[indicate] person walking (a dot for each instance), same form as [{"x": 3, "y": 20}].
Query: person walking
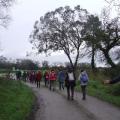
[
  {"x": 70, "y": 83},
  {"x": 61, "y": 79},
  {"x": 38, "y": 78},
  {"x": 83, "y": 82},
  {"x": 52, "y": 79},
  {"x": 24, "y": 76},
  {"x": 46, "y": 78},
  {"x": 31, "y": 76},
  {"x": 18, "y": 75}
]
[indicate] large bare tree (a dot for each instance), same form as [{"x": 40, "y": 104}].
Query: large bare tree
[{"x": 60, "y": 30}]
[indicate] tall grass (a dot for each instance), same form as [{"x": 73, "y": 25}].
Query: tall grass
[
  {"x": 16, "y": 100},
  {"x": 109, "y": 93}
]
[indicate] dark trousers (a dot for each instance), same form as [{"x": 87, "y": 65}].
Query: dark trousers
[
  {"x": 46, "y": 82},
  {"x": 70, "y": 92},
  {"x": 83, "y": 88},
  {"x": 52, "y": 84},
  {"x": 38, "y": 84},
  {"x": 24, "y": 79},
  {"x": 61, "y": 85}
]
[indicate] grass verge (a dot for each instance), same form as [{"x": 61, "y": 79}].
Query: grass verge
[
  {"x": 108, "y": 93},
  {"x": 16, "y": 100}
]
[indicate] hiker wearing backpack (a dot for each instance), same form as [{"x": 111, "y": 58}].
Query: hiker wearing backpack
[
  {"x": 61, "y": 79},
  {"x": 83, "y": 82},
  {"x": 70, "y": 83},
  {"x": 52, "y": 79},
  {"x": 38, "y": 78},
  {"x": 46, "y": 78}
]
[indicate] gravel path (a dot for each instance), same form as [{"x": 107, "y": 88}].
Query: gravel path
[{"x": 55, "y": 106}]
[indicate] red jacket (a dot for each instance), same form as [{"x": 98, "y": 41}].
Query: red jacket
[
  {"x": 46, "y": 75},
  {"x": 52, "y": 75},
  {"x": 38, "y": 76}
]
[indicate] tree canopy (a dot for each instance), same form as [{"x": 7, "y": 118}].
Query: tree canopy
[
  {"x": 66, "y": 29},
  {"x": 4, "y": 15},
  {"x": 60, "y": 30}
]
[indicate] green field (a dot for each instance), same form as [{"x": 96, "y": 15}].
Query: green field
[{"x": 16, "y": 100}]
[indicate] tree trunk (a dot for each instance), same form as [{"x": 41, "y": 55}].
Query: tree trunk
[
  {"x": 109, "y": 60},
  {"x": 93, "y": 58},
  {"x": 72, "y": 65}
]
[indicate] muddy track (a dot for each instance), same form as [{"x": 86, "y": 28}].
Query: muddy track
[{"x": 55, "y": 106}]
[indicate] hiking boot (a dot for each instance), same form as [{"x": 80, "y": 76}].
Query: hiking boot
[
  {"x": 72, "y": 98},
  {"x": 83, "y": 98},
  {"x": 68, "y": 97},
  {"x": 53, "y": 89}
]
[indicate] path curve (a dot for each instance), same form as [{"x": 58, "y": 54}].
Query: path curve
[{"x": 55, "y": 106}]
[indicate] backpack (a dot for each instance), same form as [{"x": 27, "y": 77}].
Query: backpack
[
  {"x": 61, "y": 76},
  {"x": 46, "y": 75},
  {"x": 84, "y": 78},
  {"x": 52, "y": 76},
  {"x": 70, "y": 76}
]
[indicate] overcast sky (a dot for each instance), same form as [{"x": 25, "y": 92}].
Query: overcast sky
[{"x": 14, "y": 40}]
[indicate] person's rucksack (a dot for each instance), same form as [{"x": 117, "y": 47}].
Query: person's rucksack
[
  {"x": 53, "y": 76},
  {"x": 84, "y": 78}
]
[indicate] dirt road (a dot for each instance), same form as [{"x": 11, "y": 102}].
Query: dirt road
[{"x": 55, "y": 106}]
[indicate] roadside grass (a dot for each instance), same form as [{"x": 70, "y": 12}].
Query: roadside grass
[
  {"x": 96, "y": 88},
  {"x": 16, "y": 100}
]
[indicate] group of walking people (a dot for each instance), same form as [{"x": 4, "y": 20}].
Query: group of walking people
[
  {"x": 64, "y": 78},
  {"x": 70, "y": 83}
]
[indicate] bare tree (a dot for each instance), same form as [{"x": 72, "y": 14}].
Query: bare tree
[
  {"x": 60, "y": 30},
  {"x": 113, "y": 5},
  {"x": 102, "y": 36},
  {"x": 110, "y": 38},
  {"x": 4, "y": 16}
]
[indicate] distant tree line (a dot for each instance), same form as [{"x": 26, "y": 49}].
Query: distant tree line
[{"x": 24, "y": 64}]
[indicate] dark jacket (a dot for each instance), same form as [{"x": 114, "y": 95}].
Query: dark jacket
[
  {"x": 68, "y": 81},
  {"x": 61, "y": 76}
]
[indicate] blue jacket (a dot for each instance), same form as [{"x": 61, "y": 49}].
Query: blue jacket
[{"x": 61, "y": 76}]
